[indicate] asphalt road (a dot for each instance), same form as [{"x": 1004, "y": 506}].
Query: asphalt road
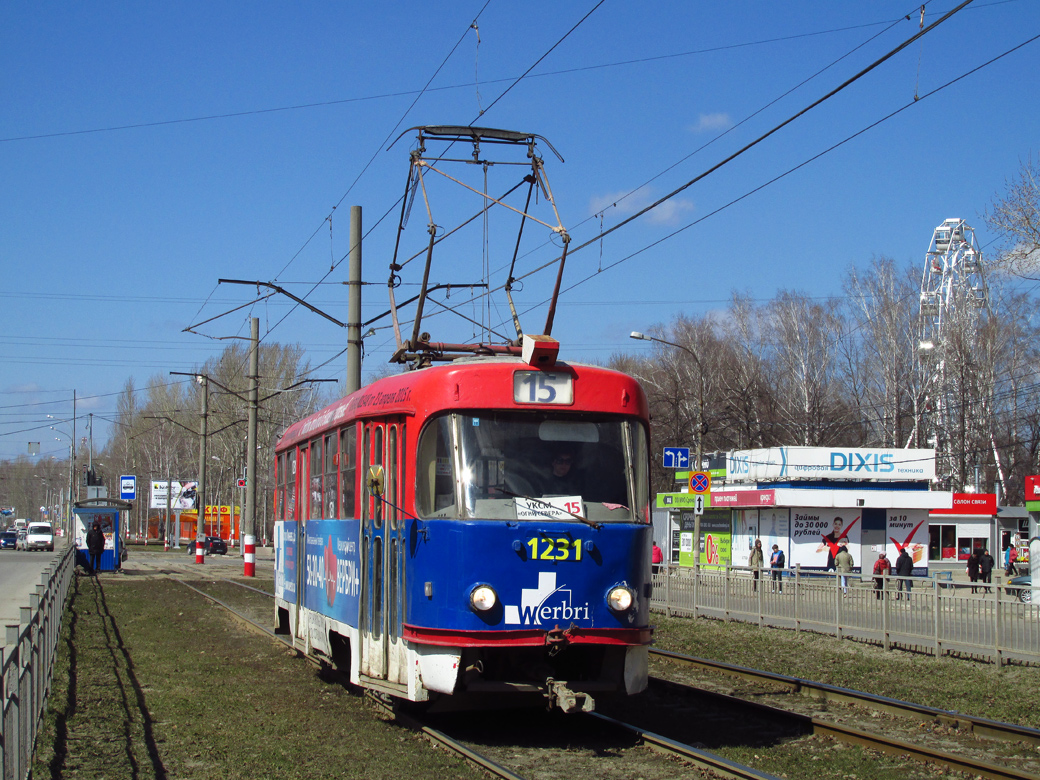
[{"x": 19, "y": 575}]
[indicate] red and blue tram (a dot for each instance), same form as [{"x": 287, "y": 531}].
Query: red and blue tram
[{"x": 478, "y": 529}]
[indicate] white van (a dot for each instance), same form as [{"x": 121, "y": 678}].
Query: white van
[{"x": 39, "y": 536}]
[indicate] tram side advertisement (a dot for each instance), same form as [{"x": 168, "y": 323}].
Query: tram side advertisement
[{"x": 331, "y": 567}]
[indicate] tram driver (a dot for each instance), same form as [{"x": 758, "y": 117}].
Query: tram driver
[{"x": 563, "y": 477}]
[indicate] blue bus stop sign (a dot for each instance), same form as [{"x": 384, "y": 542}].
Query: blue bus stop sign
[{"x": 128, "y": 488}]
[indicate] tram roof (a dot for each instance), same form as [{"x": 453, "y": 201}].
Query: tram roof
[{"x": 472, "y": 383}]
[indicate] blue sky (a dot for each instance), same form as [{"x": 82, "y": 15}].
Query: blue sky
[{"x": 147, "y": 150}]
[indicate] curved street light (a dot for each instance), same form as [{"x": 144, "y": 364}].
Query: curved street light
[{"x": 698, "y": 433}]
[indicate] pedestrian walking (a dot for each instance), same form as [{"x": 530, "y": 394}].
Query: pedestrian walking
[
  {"x": 986, "y": 564},
  {"x": 776, "y": 564},
  {"x": 1010, "y": 561},
  {"x": 904, "y": 568},
  {"x": 882, "y": 568},
  {"x": 973, "y": 569},
  {"x": 843, "y": 563},
  {"x": 656, "y": 558},
  {"x": 95, "y": 546},
  {"x": 756, "y": 560}
]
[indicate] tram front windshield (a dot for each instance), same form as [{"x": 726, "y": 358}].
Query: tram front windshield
[{"x": 510, "y": 466}]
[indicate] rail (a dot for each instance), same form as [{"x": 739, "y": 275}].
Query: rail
[
  {"x": 985, "y": 621},
  {"x": 28, "y": 665}
]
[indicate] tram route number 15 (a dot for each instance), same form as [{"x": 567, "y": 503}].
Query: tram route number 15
[
  {"x": 546, "y": 548},
  {"x": 542, "y": 387}
]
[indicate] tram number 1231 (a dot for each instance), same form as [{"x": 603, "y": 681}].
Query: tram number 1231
[{"x": 546, "y": 548}]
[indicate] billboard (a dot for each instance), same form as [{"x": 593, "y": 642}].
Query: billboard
[
  {"x": 716, "y": 539},
  {"x": 817, "y": 535},
  {"x": 908, "y": 528},
  {"x": 814, "y": 463},
  {"x": 183, "y": 495}
]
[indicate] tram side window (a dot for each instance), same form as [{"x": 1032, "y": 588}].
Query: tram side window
[
  {"x": 331, "y": 454},
  {"x": 348, "y": 470},
  {"x": 290, "y": 485},
  {"x": 279, "y": 509},
  {"x": 314, "y": 474},
  {"x": 435, "y": 488}
]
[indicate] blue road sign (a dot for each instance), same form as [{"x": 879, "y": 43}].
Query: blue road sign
[
  {"x": 128, "y": 487},
  {"x": 676, "y": 457}
]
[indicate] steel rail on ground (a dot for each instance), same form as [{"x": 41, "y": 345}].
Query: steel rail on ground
[
  {"x": 981, "y": 727},
  {"x": 438, "y": 737},
  {"x": 701, "y": 758}
]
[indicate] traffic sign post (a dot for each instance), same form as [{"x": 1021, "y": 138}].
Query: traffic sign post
[
  {"x": 700, "y": 482},
  {"x": 676, "y": 457},
  {"x": 128, "y": 487}
]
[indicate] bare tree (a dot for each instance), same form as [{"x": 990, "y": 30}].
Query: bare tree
[
  {"x": 802, "y": 335},
  {"x": 1015, "y": 216}
]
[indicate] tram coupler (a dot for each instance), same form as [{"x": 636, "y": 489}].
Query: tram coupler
[{"x": 559, "y": 695}]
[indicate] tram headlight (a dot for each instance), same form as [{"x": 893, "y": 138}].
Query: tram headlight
[
  {"x": 482, "y": 598},
  {"x": 620, "y": 599}
]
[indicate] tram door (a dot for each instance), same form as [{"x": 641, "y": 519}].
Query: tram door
[
  {"x": 297, "y": 511},
  {"x": 382, "y": 549}
]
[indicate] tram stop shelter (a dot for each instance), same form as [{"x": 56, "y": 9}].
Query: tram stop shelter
[{"x": 111, "y": 513}]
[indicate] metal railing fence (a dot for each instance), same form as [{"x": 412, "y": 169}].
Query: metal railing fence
[
  {"x": 934, "y": 615},
  {"x": 28, "y": 665}
]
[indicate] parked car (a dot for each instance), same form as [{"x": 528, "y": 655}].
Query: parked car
[
  {"x": 214, "y": 545},
  {"x": 39, "y": 536},
  {"x": 8, "y": 540},
  {"x": 1021, "y": 588}
]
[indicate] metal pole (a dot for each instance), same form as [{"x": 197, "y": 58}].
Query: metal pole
[
  {"x": 200, "y": 538},
  {"x": 166, "y": 532},
  {"x": 249, "y": 522},
  {"x": 354, "y": 304}
]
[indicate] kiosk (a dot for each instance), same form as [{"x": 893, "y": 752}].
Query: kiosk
[{"x": 109, "y": 512}]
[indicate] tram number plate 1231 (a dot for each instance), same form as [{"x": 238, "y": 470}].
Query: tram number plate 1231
[
  {"x": 543, "y": 387},
  {"x": 550, "y": 548}
]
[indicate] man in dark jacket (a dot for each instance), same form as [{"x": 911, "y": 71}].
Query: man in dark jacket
[
  {"x": 904, "y": 568},
  {"x": 95, "y": 546},
  {"x": 986, "y": 564}
]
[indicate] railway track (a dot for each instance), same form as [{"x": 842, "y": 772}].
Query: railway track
[
  {"x": 248, "y": 604},
  {"x": 981, "y": 727},
  {"x": 582, "y": 753},
  {"x": 978, "y": 746}
]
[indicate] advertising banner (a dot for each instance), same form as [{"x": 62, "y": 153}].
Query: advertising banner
[
  {"x": 814, "y": 463},
  {"x": 817, "y": 534},
  {"x": 183, "y": 495},
  {"x": 332, "y": 570},
  {"x": 716, "y": 537},
  {"x": 908, "y": 528}
]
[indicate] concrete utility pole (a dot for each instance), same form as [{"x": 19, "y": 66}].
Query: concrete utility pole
[
  {"x": 200, "y": 537},
  {"x": 249, "y": 522},
  {"x": 354, "y": 304}
]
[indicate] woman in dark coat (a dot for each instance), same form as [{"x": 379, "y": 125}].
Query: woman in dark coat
[
  {"x": 973, "y": 569},
  {"x": 95, "y": 546}
]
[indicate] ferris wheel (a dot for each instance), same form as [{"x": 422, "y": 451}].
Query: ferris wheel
[{"x": 953, "y": 293}]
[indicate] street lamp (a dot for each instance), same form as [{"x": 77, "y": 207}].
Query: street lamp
[
  {"x": 698, "y": 432},
  {"x": 72, "y": 468}
]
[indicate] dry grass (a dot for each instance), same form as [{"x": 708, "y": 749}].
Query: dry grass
[{"x": 153, "y": 683}]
